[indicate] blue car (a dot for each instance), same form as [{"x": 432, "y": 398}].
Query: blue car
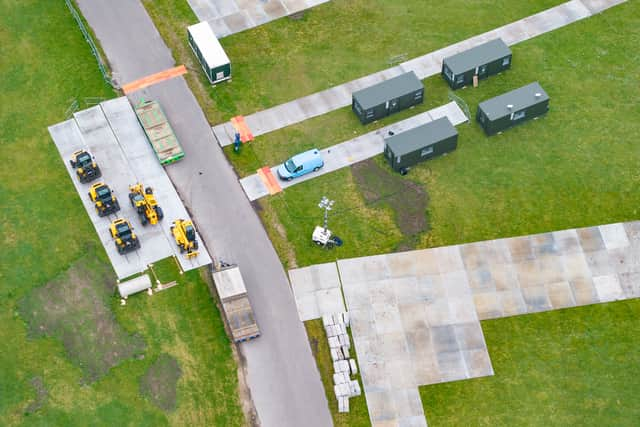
[{"x": 300, "y": 164}]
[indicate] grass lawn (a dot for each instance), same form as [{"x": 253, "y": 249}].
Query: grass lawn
[
  {"x": 563, "y": 368},
  {"x": 575, "y": 167},
  {"x": 46, "y": 235},
  {"x": 335, "y": 42}
]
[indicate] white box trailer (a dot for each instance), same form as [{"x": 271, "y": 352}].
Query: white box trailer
[
  {"x": 235, "y": 303},
  {"x": 209, "y": 51}
]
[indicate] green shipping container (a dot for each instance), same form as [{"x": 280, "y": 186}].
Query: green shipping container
[
  {"x": 209, "y": 51},
  {"x": 159, "y": 132}
]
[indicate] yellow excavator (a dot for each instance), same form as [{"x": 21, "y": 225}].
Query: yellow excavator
[
  {"x": 103, "y": 199},
  {"x": 184, "y": 234},
  {"x": 143, "y": 200},
  {"x": 86, "y": 168},
  {"x": 124, "y": 237}
]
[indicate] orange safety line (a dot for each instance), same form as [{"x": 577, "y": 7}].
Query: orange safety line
[
  {"x": 153, "y": 79},
  {"x": 241, "y": 127},
  {"x": 269, "y": 180}
]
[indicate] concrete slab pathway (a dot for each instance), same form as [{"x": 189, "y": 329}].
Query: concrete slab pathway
[
  {"x": 232, "y": 16},
  {"x": 101, "y": 130},
  {"x": 319, "y": 103},
  {"x": 354, "y": 150},
  {"x": 414, "y": 315},
  {"x": 317, "y": 291}
]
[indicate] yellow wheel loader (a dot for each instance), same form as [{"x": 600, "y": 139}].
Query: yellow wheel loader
[
  {"x": 143, "y": 200},
  {"x": 184, "y": 234},
  {"x": 124, "y": 237},
  {"x": 104, "y": 200},
  {"x": 86, "y": 168}
]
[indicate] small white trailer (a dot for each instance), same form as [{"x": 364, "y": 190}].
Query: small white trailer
[{"x": 235, "y": 303}]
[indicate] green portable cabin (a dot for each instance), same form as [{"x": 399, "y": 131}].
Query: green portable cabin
[
  {"x": 483, "y": 61},
  {"x": 387, "y": 97},
  {"x": 209, "y": 51},
  {"x": 424, "y": 142},
  {"x": 512, "y": 108}
]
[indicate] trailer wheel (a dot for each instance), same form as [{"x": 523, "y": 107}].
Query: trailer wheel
[{"x": 404, "y": 171}]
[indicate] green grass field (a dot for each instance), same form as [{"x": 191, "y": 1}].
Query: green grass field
[
  {"x": 334, "y": 43},
  {"x": 574, "y": 167},
  {"x": 562, "y": 368},
  {"x": 53, "y": 375}
]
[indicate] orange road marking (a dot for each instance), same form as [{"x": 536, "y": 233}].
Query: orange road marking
[
  {"x": 241, "y": 127},
  {"x": 269, "y": 180},
  {"x": 153, "y": 79}
]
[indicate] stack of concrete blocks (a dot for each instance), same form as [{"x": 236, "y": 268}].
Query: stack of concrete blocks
[{"x": 343, "y": 366}]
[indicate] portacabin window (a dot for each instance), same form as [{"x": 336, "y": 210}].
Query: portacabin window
[
  {"x": 505, "y": 61},
  {"x": 519, "y": 115},
  {"x": 426, "y": 151}
]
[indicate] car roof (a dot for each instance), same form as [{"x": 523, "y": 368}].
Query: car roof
[{"x": 306, "y": 156}]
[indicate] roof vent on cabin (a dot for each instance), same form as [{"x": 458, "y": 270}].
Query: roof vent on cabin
[
  {"x": 538, "y": 94},
  {"x": 510, "y": 106}
]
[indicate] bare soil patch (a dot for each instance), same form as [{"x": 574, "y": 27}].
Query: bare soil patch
[
  {"x": 407, "y": 199},
  {"x": 42, "y": 394},
  {"x": 160, "y": 382},
  {"x": 74, "y": 308}
]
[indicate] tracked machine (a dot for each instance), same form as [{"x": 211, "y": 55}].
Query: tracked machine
[
  {"x": 86, "y": 168},
  {"x": 103, "y": 199},
  {"x": 145, "y": 203},
  {"x": 125, "y": 239},
  {"x": 184, "y": 233}
]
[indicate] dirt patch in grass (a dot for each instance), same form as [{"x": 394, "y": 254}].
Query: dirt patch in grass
[
  {"x": 407, "y": 199},
  {"x": 160, "y": 381},
  {"x": 42, "y": 395},
  {"x": 74, "y": 308}
]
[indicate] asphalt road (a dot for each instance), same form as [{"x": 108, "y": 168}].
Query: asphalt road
[{"x": 281, "y": 373}]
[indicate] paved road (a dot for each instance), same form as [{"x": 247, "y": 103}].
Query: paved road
[{"x": 281, "y": 373}]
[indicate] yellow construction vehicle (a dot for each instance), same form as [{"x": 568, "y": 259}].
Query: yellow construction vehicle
[
  {"x": 103, "y": 199},
  {"x": 86, "y": 169},
  {"x": 143, "y": 200},
  {"x": 125, "y": 238},
  {"x": 184, "y": 234}
]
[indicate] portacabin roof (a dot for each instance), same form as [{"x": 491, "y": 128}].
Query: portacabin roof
[
  {"x": 208, "y": 43},
  {"x": 389, "y": 89},
  {"x": 518, "y": 99},
  {"x": 229, "y": 282},
  {"x": 479, "y": 55},
  {"x": 421, "y": 136}
]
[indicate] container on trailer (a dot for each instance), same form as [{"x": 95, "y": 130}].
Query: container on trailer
[
  {"x": 512, "y": 108},
  {"x": 159, "y": 132},
  {"x": 406, "y": 149},
  {"x": 387, "y": 97},
  {"x": 483, "y": 61},
  {"x": 235, "y": 303}
]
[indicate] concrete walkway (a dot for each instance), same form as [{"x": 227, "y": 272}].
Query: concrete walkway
[
  {"x": 414, "y": 315},
  {"x": 232, "y": 16},
  {"x": 281, "y": 373},
  {"x": 424, "y": 66},
  {"x": 354, "y": 150},
  {"x": 111, "y": 133}
]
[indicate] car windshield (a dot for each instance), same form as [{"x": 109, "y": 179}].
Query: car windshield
[
  {"x": 191, "y": 233},
  {"x": 290, "y": 166},
  {"x": 103, "y": 192},
  {"x": 84, "y": 158},
  {"x": 123, "y": 230}
]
